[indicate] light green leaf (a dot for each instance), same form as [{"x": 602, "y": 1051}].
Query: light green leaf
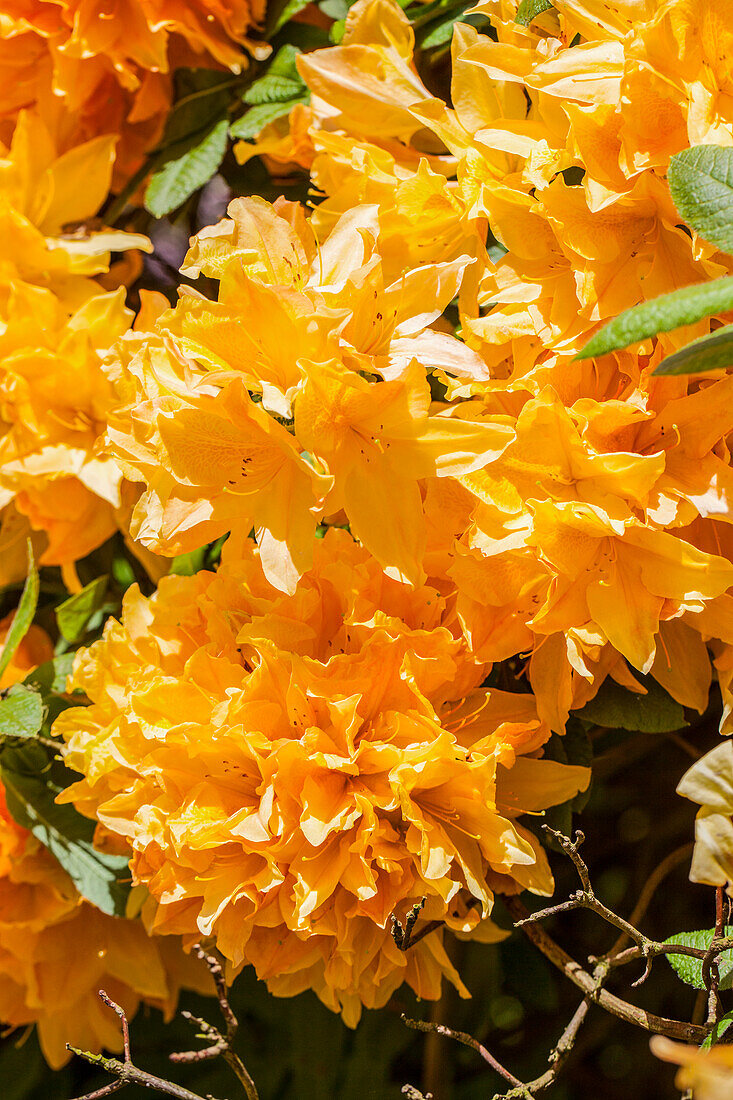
[
  {"x": 73, "y": 615},
  {"x": 24, "y": 615},
  {"x": 616, "y": 707},
  {"x": 21, "y": 713},
  {"x": 711, "y": 352},
  {"x": 32, "y": 783},
  {"x": 701, "y": 182},
  {"x": 663, "y": 314},
  {"x": 529, "y": 10},
  {"x": 256, "y": 118},
  {"x": 192, "y": 163},
  {"x": 690, "y": 970}
]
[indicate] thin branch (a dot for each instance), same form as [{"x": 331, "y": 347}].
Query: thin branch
[
  {"x": 220, "y": 1045},
  {"x": 710, "y": 969},
  {"x": 639, "y": 1017},
  {"x": 557, "y": 1057},
  {"x": 126, "y": 1072},
  {"x": 466, "y": 1040}
]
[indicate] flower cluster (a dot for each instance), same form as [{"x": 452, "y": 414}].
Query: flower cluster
[
  {"x": 95, "y": 69},
  {"x": 57, "y": 950},
  {"x": 599, "y": 538},
  {"x": 293, "y": 771},
  {"x": 56, "y": 323},
  {"x": 381, "y": 406}
]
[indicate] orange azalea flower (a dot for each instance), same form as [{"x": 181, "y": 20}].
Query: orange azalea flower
[
  {"x": 57, "y": 951},
  {"x": 95, "y": 71},
  {"x": 343, "y": 419},
  {"x": 292, "y": 770}
]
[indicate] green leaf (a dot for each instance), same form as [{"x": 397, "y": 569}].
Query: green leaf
[
  {"x": 663, "y": 314},
  {"x": 192, "y": 163},
  {"x": 73, "y": 615},
  {"x": 711, "y": 352},
  {"x": 701, "y": 182},
  {"x": 32, "y": 783},
  {"x": 719, "y": 1030},
  {"x": 690, "y": 970},
  {"x": 618, "y": 708},
  {"x": 281, "y": 82},
  {"x": 185, "y": 565},
  {"x": 335, "y": 9},
  {"x": 280, "y": 12},
  {"x": 440, "y": 30},
  {"x": 50, "y": 677},
  {"x": 202, "y": 99},
  {"x": 21, "y": 713},
  {"x": 529, "y": 10},
  {"x": 256, "y": 118},
  {"x": 24, "y": 615}
]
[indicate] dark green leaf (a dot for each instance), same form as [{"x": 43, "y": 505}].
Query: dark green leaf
[
  {"x": 281, "y": 82},
  {"x": 24, "y": 615},
  {"x": 32, "y": 783},
  {"x": 618, "y": 708},
  {"x": 21, "y": 713},
  {"x": 690, "y": 970},
  {"x": 701, "y": 182},
  {"x": 711, "y": 352},
  {"x": 439, "y": 31},
  {"x": 719, "y": 1030},
  {"x": 256, "y": 118},
  {"x": 670, "y": 311},
  {"x": 202, "y": 99},
  {"x": 530, "y": 9},
  {"x": 192, "y": 163},
  {"x": 73, "y": 615},
  {"x": 279, "y": 12},
  {"x": 50, "y": 678}
]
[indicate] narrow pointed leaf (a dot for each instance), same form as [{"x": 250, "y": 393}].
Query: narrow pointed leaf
[
  {"x": 711, "y": 352},
  {"x": 24, "y": 614},
  {"x": 663, "y": 314}
]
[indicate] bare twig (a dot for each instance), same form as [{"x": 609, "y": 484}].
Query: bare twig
[
  {"x": 126, "y": 1072},
  {"x": 710, "y": 969},
  {"x": 557, "y": 1058},
  {"x": 467, "y": 1041},
  {"x": 220, "y": 1045},
  {"x": 674, "y": 1029}
]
